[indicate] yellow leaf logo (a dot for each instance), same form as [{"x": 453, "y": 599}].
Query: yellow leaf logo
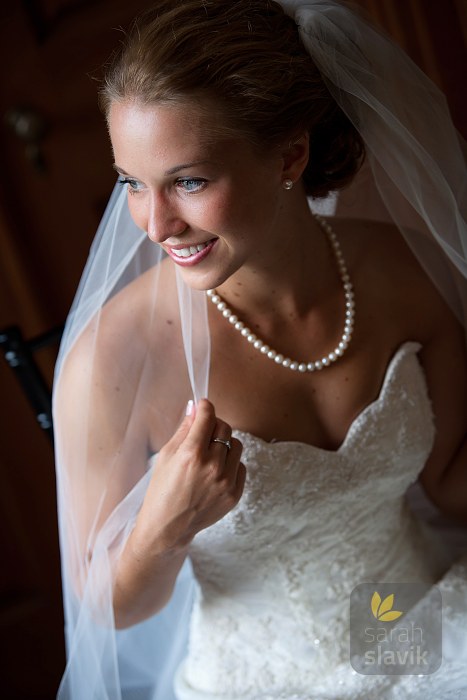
[{"x": 382, "y": 609}]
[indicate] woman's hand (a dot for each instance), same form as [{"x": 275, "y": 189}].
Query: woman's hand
[{"x": 195, "y": 483}]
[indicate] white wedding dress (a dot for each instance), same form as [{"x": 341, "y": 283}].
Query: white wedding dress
[{"x": 271, "y": 615}]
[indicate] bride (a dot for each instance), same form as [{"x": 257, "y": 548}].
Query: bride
[{"x": 283, "y": 261}]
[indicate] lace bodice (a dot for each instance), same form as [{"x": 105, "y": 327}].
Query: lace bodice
[{"x": 275, "y": 574}]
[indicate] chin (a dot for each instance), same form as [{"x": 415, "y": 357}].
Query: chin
[{"x": 204, "y": 281}]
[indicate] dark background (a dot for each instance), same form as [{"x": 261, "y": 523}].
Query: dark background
[{"x": 53, "y": 188}]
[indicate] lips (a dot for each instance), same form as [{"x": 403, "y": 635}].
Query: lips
[
  {"x": 190, "y": 250},
  {"x": 191, "y": 254}
]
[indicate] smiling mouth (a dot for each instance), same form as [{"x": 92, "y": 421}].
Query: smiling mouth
[
  {"x": 190, "y": 250},
  {"x": 191, "y": 254}
]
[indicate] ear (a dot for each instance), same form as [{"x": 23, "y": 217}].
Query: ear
[{"x": 295, "y": 156}]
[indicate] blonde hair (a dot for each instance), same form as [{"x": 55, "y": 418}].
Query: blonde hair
[{"x": 248, "y": 58}]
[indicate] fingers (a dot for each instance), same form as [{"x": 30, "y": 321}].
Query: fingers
[
  {"x": 198, "y": 420},
  {"x": 206, "y": 475},
  {"x": 203, "y": 425},
  {"x": 222, "y": 431},
  {"x": 182, "y": 431},
  {"x": 233, "y": 455},
  {"x": 233, "y": 463},
  {"x": 199, "y": 435},
  {"x": 234, "y": 472},
  {"x": 240, "y": 483},
  {"x": 228, "y": 471}
]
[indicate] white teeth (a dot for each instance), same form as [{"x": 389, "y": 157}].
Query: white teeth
[
  {"x": 186, "y": 252},
  {"x": 182, "y": 252}
]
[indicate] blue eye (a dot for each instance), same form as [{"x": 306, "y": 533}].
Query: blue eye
[
  {"x": 191, "y": 184},
  {"x": 133, "y": 185}
]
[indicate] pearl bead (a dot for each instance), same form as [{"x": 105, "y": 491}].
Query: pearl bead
[{"x": 349, "y": 322}]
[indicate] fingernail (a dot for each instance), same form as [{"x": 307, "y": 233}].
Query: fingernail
[{"x": 189, "y": 408}]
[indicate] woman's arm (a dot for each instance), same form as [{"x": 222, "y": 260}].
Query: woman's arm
[
  {"x": 444, "y": 358},
  {"x": 115, "y": 404}
]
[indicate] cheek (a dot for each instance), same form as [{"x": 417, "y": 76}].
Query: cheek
[
  {"x": 138, "y": 211},
  {"x": 217, "y": 213}
]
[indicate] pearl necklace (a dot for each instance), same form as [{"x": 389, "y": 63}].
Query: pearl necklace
[{"x": 295, "y": 365}]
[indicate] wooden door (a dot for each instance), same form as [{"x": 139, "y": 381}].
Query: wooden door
[{"x": 55, "y": 178}]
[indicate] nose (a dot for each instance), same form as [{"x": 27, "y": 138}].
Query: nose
[{"x": 163, "y": 218}]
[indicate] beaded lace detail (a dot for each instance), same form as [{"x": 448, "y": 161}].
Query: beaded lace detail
[{"x": 275, "y": 574}]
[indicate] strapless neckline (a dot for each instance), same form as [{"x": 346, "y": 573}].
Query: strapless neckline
[
  {"x": 277, "y": 571},
  {"x": 407, "y": 349}
]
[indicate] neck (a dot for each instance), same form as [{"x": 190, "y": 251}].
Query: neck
[
  {"x": 252, "y": 331},
  {"x": 284, "y": 279}
]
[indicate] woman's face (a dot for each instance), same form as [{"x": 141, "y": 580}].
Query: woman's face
[{"x": 210, "y": 202}]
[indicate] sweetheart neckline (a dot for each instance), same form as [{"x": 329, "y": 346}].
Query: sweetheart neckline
[{"x": 405, "y": 347}]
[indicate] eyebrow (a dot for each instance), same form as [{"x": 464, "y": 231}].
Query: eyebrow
[{"x": 171, "y": 171}]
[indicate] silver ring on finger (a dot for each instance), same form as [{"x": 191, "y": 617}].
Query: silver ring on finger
[{"x": 227, "y": 443}]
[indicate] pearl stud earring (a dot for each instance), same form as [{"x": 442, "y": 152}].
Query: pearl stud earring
[{"x": 287, "y": 184}]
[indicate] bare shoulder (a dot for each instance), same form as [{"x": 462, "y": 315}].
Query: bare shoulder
[
  {"x": 124, "y": 326},
  {"x": 106, "y": 362},
  {"x": 386, "y": 269},
  {"x": 379, "y": 246}
]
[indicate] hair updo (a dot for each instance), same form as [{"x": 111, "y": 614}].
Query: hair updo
[{"x": 247, "y": 56}]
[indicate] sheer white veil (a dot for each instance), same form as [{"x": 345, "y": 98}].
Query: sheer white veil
[
  {"x": 104, "y": 662},
  {"x": 415, "y": 155},
  {"x": 153, "y": 361}
]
